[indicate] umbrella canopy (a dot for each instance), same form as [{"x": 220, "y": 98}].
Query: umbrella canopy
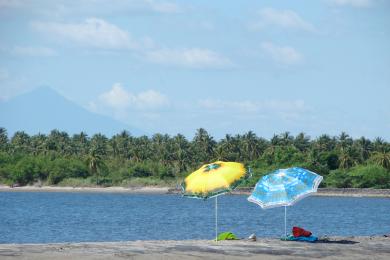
[
  {"x": 214, "y": 179},
  {"x": 284, "y": 187}
]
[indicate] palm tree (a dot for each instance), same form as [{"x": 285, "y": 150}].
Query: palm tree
[
  {"x": 181, "y": 154},
  {"x": 345, "y": 141},
  {"x": 20, "y": 142},
  {"x": 3, "y": 139},
  {"x": 120, "y": 145},
  {"x": 159, "y": 147},
  {"x": 38, "y": 144},
  {"x": 59, "y": 142},
  {"x": 365, "y": 147},
  {"x": 313, "y": 157},
  {"x": 80, "y": 143},
  {"x": 230, "y": 148},
  {"x": 250, "y": 143},
  {"x": 95, "y": 163},
  {"x": 302, "y": 142},
  {"x": 286, "y": 139},
  {"x": 382, "y": 159},
  {"x": 269, "y": 154},
  {"x": 140, "y": 149},
  {"x": 325, "y": 143},
  {"x": 168, "y": 150},
  {"x": 346, "y": 159},
  {"x": 220, "y": 153},
  {"x": 114, "y": 147},
  {"x": 99, "y": 142},
  {"x": 203, "y": 146},
  {"x": 378, "y": 144},
  {"x": 275, "y": 140}
]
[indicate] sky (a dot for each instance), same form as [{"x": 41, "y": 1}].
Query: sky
[{"x": 228, "y": 66}]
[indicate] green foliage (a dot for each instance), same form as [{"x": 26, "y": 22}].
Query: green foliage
[
  {"x": 150, "y": 169},
  {"x": 287, "y": 156},
  {"x": 65, "y": 168},
  {"x": 77, "y": 182},
  {"x": 332, "y": 160},
  {"x": 369, "y": 176},
  {"x": 30, "y": 169},
  {"x": 140, "y": 170},
  {"x": 123, "y": 159},
  {"x": 381, "y": 158},
  {"x": 26, "y": 170},
  {"x": 338, "y": 179},
  {"x": 361, "y": 176}
]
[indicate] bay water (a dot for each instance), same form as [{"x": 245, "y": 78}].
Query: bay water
[{"x": 50, "y": 217}]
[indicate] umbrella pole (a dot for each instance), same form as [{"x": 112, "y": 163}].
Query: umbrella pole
[
  {"x": 285, "y": 221},
  {"x": 216, "y": 218}
]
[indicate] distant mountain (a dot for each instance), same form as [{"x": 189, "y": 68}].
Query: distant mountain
[{"x": 44, "y": 109}]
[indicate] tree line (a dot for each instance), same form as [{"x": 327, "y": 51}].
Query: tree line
[{"x": 123, "y": 159}]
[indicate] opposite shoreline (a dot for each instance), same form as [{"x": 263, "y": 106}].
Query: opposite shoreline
[{"x": 347, "y": 192}]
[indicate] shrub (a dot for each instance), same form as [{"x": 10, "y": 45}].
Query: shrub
[
  {"x": 140, "y": 170},
  {"x": 338, "y": 179},
  {"x": 286, "y": 156},
  {"x": 369, "y": 176},
  {"x": 60, "y": 169},
  {"x": 25, "y": 171}
]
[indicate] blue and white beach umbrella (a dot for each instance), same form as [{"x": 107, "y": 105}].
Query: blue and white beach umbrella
[{"x": 284, "y": 187}]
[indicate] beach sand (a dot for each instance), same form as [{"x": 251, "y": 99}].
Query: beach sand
[{"x": 336, "y": 248}]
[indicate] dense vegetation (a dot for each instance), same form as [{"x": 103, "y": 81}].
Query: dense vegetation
[{"x": 126, "y": 160}]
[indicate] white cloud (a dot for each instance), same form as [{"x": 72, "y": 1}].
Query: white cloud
[
  {"x": 93, "y": 32},
  {"x": 286, "y": 19},
  {"x": 193, "y": 57},
  {"x": 33, "y": 51},
  {"x": 147, "y": 109},
  {"x": 150, "y": 99},
  {"x": 352, "y": 3},
  {"x": 117, "y": 97},
  {"x": 120, "y": 99},
  {"x": 98, "y": 33},
  {"x": 284, "y": 55}
]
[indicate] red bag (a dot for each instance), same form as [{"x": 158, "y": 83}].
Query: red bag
[{"x": 300, "y": 232}]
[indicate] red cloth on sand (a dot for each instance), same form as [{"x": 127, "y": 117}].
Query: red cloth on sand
[{"x": 300, "y": 232}]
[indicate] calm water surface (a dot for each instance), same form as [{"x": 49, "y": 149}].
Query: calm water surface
[{"x": 43, "y": 217}]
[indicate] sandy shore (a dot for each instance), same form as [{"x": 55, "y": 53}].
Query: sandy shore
[
  {"x": 168, "y": 190},
  {"x": 346, "y": 192},
  {"x": 135, "y": 190},
  {"x": 336, "y": 248}
]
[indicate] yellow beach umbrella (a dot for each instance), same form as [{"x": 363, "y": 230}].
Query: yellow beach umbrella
[{"x": 214, "y": 179}]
